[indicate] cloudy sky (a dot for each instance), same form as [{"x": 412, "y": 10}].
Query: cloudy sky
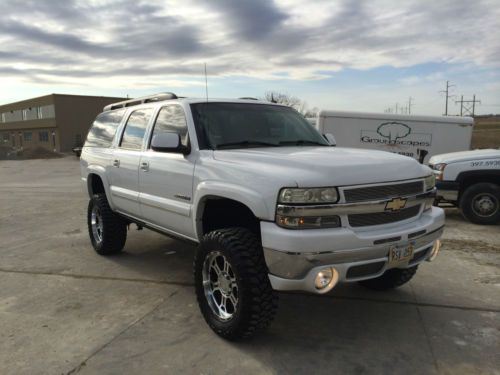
[{"x": 346, "y": 55}]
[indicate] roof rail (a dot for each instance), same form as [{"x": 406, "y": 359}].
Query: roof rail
[
  {"x": 248, "y": 98},
  {"x": 143, "y": 99}
]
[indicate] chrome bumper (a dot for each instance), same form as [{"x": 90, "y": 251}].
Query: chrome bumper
[{"x": 290, "y": 265}]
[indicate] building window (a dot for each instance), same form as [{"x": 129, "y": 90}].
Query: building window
[
  {"x": 13, "y": 116},
  {"x": 28, "y": 136},
  {"x": 43, "y": 136},
  {"x": 30, "y": 113},
  {"x": 78, "y": 140},
  {"x": 46, "y": 111},
  {"x": 6, "y": 137}
]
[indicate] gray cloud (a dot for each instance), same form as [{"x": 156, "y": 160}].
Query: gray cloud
[
  {"x": 251, "y": 20},
  {"x": 76, "y": 39}
]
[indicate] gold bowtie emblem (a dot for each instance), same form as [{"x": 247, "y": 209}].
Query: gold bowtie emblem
[{"x": 395, "y": 204}]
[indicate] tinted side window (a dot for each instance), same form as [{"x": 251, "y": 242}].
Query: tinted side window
[
  {"x": 135, "y": 129},
  {"x": 103, "y": 129},
  {"x": 172, "y": 119}
]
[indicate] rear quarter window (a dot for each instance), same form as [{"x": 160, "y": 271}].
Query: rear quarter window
[{"x": 104, "y": 128}]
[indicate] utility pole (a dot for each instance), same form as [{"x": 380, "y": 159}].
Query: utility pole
[
  {"x": 409, "y": 105},
  {"x": 396, "y": 108},
  {"x": 468, "y": 107},
  {"x": 447, "y": 91},
  {"x": 461, "y": 101},
  {"x": 474, "y": 104}
]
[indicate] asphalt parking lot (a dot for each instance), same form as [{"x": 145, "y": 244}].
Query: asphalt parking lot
[{"x": 66, "y": 310}]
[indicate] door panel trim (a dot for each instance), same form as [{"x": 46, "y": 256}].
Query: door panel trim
[
  {"x": 166, "y": 204},
  {"x": 124, "y": 193}
]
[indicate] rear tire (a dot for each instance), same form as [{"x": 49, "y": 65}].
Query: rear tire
[
  {"x": 232, "y": 284},
  {"x": 391, "y": 279},
  {"x": 480, "y": 203},
  {"x": 107, "y": 230}
]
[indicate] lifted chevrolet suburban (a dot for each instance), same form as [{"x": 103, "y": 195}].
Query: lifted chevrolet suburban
[{"x": 272, "y": 205}]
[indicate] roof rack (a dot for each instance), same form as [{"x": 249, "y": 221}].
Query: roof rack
[{"x": 144, "y": 99}]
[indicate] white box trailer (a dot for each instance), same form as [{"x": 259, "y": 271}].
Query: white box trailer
[{"x": 419, "y": 137}]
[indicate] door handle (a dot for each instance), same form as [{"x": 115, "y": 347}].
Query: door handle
[
  {"x": 116, "y": 163},
  {"x": 145, "y": 166}
]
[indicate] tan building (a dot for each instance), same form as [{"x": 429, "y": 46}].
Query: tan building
[{"x": 56, "y": 122}]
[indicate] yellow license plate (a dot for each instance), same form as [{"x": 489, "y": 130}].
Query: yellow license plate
[{"x": 400, "y": 254}]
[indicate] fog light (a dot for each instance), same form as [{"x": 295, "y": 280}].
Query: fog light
[
  {"x": 326, "y": 279},
  {"x": 435, "y": 250}
]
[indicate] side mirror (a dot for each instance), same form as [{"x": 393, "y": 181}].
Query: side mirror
[
  {"x": 168, "y": 142},
  {"x": 330, "y": 138}
]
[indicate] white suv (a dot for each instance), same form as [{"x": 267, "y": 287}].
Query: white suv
[{"x": 270, "y": 202}]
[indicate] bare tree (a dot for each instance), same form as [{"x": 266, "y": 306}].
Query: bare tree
[
  {"x": 311, "y": 113},
  {"x": 282, "y": 98}
]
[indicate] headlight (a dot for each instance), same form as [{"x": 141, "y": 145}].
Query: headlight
[
  {"x": 311, "y": 195},
  {"x": 438, "y": 170},
  {"x": 430, "y": 182},
  {"x": 439, "y": 167}
]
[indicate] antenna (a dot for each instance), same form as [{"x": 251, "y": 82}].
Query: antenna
[{"x": 206, "y": 82}]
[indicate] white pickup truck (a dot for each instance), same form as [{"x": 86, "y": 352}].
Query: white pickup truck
[
  {"x": 471, "y": 181},
  {"x": 272, "y": 205}
]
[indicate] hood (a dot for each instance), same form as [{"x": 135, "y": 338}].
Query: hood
[
  {"x": 325, "y": 166},
  {"x": 455, "y": 157}
]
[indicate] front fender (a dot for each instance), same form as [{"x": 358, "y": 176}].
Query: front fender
[{"x": 250, "y": 198}]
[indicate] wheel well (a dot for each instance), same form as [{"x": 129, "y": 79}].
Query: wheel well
[
  {"x": 472, "y": 179},
  {"x": 95, "y": 184},
  {"x": 221, "y": 213}
]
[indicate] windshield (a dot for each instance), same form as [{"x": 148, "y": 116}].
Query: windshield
[{"x": 238, "y": 125}]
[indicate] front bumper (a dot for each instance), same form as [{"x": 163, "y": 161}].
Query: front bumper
[
  {"x": 294, "y": 257},
  {"x": 447, "y": 191}
]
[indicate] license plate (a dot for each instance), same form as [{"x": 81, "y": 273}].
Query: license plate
[{"x": 400, "y": 254}]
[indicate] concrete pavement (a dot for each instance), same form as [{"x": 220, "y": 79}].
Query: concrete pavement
[{"x": 64, "y": 309}]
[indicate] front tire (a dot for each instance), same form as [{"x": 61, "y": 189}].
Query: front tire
[
  {"x": 390, "y": 279},
  {"x": 107, "y": 230},
  {"x": 480, "y": 203},
  {"x": 232, "y": 284}
]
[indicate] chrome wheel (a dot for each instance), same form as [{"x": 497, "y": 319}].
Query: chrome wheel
[
  {"x": 96, "y": 223},
  {"x": 220, "y": 286},
  {"x": 485, "y": 205}
]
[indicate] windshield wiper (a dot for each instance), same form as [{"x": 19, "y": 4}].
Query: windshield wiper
[
  {"x": 301, "y": 142},
  {"x": 246, "y": 144}
]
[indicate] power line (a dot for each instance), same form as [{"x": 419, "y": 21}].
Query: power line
[
  {"x": 468, "y": 107},
  {"x": 399, "y": 109}
]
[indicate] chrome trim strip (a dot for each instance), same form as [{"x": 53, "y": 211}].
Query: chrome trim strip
[
  {"x": 353, "y": 208},
  {"x": 297, "y": 265},
  {"x": 128, "y": 194}
]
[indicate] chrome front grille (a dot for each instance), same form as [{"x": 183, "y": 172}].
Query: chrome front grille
[
  {"x": 379, "y": 192},
  {"x": 379, "y": 218}
]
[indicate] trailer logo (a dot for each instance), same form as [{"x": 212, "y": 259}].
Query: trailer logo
[
  {"x": 395, "y": 134},
  {"x": 393, "y": 131}
]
